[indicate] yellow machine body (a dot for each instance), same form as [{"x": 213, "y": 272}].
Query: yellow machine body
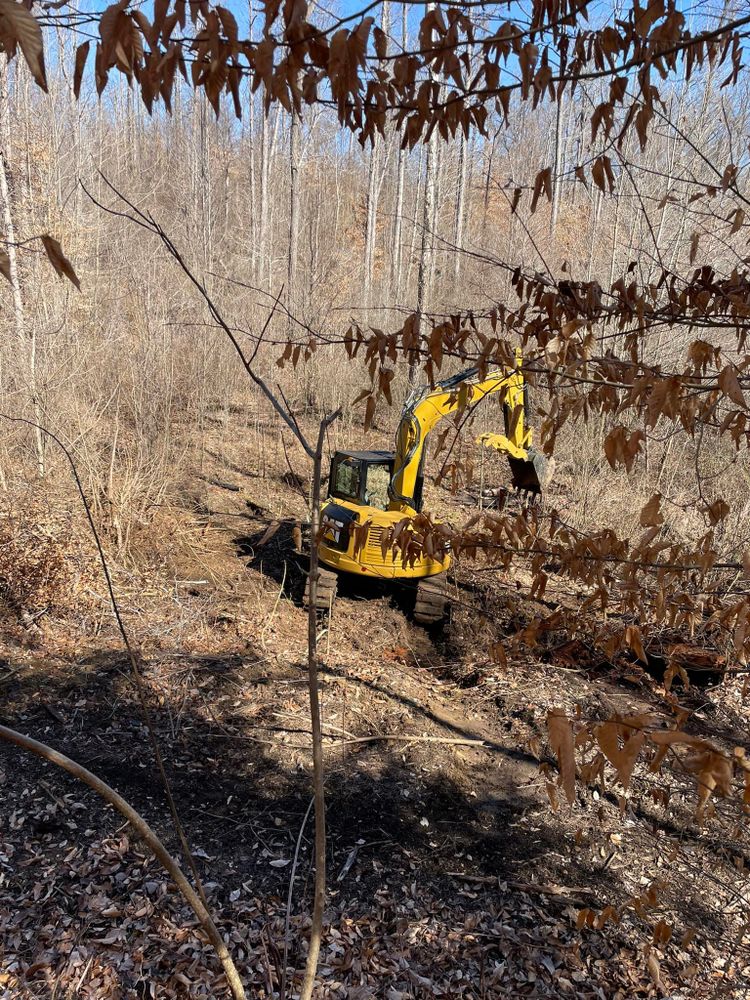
[
  {"x": 376, "y": 490},
  {"x": 370, "y": 560}
]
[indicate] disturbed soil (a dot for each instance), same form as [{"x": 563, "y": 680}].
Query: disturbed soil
[{"x": 450, "y": 875}]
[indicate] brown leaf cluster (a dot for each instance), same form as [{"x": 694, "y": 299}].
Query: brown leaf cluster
[
  {"x": 620, "y": 742},
  {"x": 452, "y": 79}
]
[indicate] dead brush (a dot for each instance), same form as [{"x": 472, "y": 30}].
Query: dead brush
[{"x": 44, "y": 566}]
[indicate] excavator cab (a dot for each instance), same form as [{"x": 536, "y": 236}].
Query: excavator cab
[
  {"x": 361, "y": 477},
  {"x": 364, "y": 477}
]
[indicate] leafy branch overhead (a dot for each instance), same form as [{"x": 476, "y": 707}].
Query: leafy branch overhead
[{"x": 465, "y": 64}]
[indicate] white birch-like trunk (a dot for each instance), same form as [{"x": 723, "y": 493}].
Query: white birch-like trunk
[
  {"x": 433, "y": 188},
  {"x": 460, "y": 210},
  {"x": 556, "y": 178},
  {"x": 371, "y": 218},
  {"x": 398, "y": 213},
  {"x": 264, "y": 263},
  {"x": 424, "y": 271},
  {"x": 291, "y": 274},
  {"x": 26, "y": 343},
  {"x": 428, "y": 202},
  {"x": 373, "y": 190}
]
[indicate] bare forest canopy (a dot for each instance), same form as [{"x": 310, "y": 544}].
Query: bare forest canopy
[{"x": 412, "y": 187}]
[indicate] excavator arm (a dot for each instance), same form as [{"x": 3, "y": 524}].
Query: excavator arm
[{"x": 428, "y": 406}]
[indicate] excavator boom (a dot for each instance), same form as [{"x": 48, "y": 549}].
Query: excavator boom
[{"x": 427, "y": 406}]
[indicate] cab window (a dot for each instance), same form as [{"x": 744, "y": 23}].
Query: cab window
[
  {"x": 376, "y": 487},
  {"x": 345, "y": 479}
]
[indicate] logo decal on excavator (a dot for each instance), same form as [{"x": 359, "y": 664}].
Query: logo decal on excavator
[{"x": 332, "y": 531}]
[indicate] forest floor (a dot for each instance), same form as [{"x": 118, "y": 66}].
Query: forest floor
[{"x": 449, "y": 873}]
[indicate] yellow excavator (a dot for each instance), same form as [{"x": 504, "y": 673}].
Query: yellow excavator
[{"x": 369, "y": 492}]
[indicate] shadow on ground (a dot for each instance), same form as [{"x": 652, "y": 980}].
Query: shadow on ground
[
  {"x": 241, "y": 798},
  {"x": 395, "y": 817}
]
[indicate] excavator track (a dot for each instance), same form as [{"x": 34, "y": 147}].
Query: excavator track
[
  {"x": 325, "y": 596},
  {"x": 431, "y": 600}
]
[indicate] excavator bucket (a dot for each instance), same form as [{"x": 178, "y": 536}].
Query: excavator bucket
[{"x": 531, "y": 474}]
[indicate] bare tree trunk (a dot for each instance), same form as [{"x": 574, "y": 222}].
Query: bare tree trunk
[
  {"x": 424, "y": 271},
  {"x": 291, "y": 275},
  {"x": 205, "y": 191},
  {"x": 556, "y": 179},
  {"x": 489, "y": 154},
  {"x": 19, "y": 317},
  {"x": 264, "y": 264},
  {"x": 373, "y": 190},
  {"x": 458, "y": 218},
  {"x": 425, "y": 255},
  {"x": 594, "y": 227},
  {"x": 418, "y": 195},
  {"x": 253, "y": 183},
  {"x": 255, "y": 216},
  {"x": 319, "y": 898},
  {"x": 396, "y": 254},
  {"x": 371, "y": 221},
  {"x": 615, "y": 236},
  {"x": 396, "y": 250},
  {"x": 433, "y": 192}
]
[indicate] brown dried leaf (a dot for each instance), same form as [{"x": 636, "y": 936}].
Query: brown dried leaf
[
  {"x": 297, "y": 538},
  {"x": 497, "y": 655},
  {"x": 694, "y": 240},
  {"x": 562, "y": 743},
  {"x": 738, "y": 220},
  {"x": 634, "y": 639},
  {"x": 543, "y": 182},
  {"x": 552, "y": 796},
  {"x": 650, "y": 514},
  {"x": 654, "y": 970},
  {"x": 713, "y": 771},
  {"x": 729, "y": 384},
  {"x": 58, "y": 259},
  {"x": 18, "y": 26},
  {"x": 82, "y": 53},
  {"x": 5, "y": 264},
  {"x": 662, "y": 933},
  {"x": 717, "y": 511},
  {"x": 369, "y": 412},
  {"x": 622, "y": 759}
]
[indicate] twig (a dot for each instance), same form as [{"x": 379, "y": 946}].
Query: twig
[
  {"x": 405, "y": 738},
  {"x": 288, "y": 917},
  {"x": 348, "y": 864},
  {"x": 145, "y": 832},
  {"x": 12, "y": 671},
  {"x": 316, "y": 929},
  {"x": 554, "y": 892},
  {"x": 401, "y": 737},
  {"x": 275, "y": 606}
]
